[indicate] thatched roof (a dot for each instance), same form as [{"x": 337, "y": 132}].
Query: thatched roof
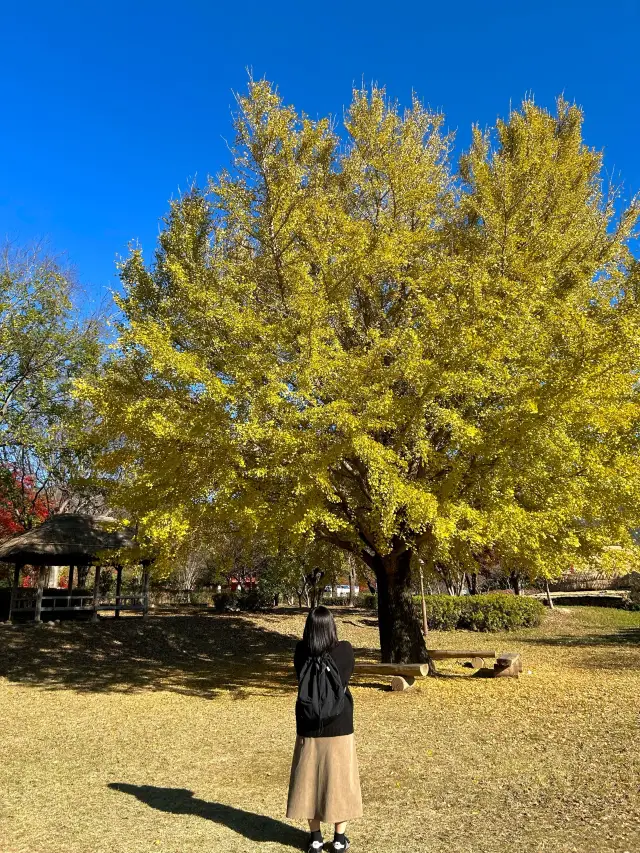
[{"x": 64, "y": 540}]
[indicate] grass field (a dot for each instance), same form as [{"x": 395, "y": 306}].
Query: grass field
[{"x": 175, "y": 734}]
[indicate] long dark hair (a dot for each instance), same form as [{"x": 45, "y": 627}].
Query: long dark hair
[{"x": 320, "y": 633}]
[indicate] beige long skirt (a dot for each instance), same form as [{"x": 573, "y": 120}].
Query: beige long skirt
[{"x": 325, "y": 782}]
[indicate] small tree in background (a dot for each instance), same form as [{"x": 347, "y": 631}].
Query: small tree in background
[
  {"x": 43, "y": 348},
  {"x": 22, "y": 505}
]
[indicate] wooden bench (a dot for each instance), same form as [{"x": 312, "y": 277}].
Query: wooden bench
[{"x": 403, "y": 675}]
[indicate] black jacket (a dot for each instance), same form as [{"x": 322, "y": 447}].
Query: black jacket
[{"x": 343, "y": 724}]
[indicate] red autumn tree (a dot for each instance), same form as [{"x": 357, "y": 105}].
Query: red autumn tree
[{"x": 21, "y": 504}]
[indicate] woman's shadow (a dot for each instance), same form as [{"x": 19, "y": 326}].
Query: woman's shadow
[{"x": 255, "y": 827}]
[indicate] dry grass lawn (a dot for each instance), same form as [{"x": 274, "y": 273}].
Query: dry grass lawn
[{"x": 175, "y": 734}]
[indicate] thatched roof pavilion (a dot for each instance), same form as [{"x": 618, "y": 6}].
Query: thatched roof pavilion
[
  {"x": 64, "y": 540},
  {"x": 75, "y": 541}
]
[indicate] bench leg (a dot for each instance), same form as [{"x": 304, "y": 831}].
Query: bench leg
[
  {"x": 512, "y": 671},
  {"x": 400, "y": 682}
]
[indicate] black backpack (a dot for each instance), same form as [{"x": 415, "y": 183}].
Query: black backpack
[{"x": 320, "y": 691}]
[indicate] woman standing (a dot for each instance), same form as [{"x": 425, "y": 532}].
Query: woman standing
[{"x": 325, "y": 784}]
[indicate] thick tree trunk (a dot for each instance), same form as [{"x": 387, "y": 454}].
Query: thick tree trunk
[
  {"x": 314, "y": 587},
  {"x": 514, "y": 578},
  {"x": 401, "y": 639}
]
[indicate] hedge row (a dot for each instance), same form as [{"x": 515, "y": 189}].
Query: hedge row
[
  {"x": 257, "y": 599},
  {"x": 490, "y": 612},
  {"x": 251, "y": 600}
]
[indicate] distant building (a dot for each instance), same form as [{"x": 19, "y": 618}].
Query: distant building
[
  {"x": 342, "y": 589},
  {"x": 240, "y": 582}
]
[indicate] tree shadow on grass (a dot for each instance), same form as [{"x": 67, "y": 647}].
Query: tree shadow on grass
[
  {"x": 613, "y": 649},
  {"x": 198, "y": 655},
  {"x": 361, "y": 682},
  {"x": 610, "y": 650},
  {"x": 619, "y": 637},
  {"x": 255, "y": 827},
  {"x": 193, "y": 655}
]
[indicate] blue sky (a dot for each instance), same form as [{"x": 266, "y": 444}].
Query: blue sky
[{"x": 108, "y": 109}]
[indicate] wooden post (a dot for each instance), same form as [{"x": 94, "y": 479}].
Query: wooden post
[
  {"x": 39, "y": 594},
  {"x": 14, "y": 590},
  {"x": 425, "y": 624},
  {"x": 96, "y": 593},
  {"x": 548, "y": 591},
  {"x": 70, "y": 584},
  {"x": 118, "y": 589},
  {"x": 145, "y": 590}
]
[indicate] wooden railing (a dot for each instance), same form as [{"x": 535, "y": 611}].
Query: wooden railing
[
  {"x": 123, "y": 602},
  {"x": 67, "y": 602},
  {"x": 26, "y": 600}
]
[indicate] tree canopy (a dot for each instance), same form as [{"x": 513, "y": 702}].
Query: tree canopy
[{"x": 344, "y": 339}]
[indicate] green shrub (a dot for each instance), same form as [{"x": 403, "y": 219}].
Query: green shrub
[
  {"x": 490, "y": 612},
  {"x": 343, "y": 600},
  {"x": 337, "y": 601},
  {"x": 368, "y": 600},
  {"x": 500, "y": 612},
  {"x": 255, "y": 599},
  {"x": 201, "y": 597},
  {"x": 443, "y": 611},
  {"x": 633, "y": 603},
  {"x": 225, "y": 601}
]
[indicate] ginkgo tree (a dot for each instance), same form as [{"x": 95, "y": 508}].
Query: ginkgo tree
[{"x": 342, "y": 339}]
